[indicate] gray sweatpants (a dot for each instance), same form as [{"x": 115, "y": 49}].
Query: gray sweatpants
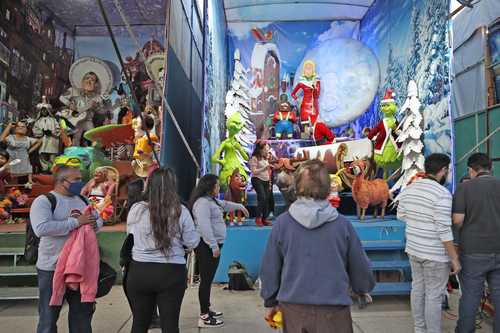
[{"x": 429, "y": 280}]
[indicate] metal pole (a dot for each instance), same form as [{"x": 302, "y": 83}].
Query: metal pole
[{"x": 127, "y": 78}]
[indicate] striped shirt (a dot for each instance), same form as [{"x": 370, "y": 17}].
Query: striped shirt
[{"x": 425, "y": 207}]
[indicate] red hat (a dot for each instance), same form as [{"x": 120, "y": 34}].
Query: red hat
[{"x": 389, "y": 96}]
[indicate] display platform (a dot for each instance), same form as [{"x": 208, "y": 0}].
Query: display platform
[{"x": 383, "y": 240}]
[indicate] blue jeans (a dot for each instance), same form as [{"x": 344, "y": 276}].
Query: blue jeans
[
  {"x": 284, "y": 128},
  {"x": 79, "y": 316},
  {"x": 476, "y": 269}
]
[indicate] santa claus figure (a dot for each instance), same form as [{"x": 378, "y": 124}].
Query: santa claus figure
[
  {"x": 310, "y": 85},
  {"x": 321, "y": 134}
]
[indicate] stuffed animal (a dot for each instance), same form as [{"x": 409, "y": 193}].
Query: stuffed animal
[
  {"x": 368, "y": 192},
  {"x": 283, "y": 121}
]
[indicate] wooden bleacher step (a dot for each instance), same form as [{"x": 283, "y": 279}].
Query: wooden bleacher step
[
  {"x": 17, "y": 271},
  {"x": 18, "y": 293}
]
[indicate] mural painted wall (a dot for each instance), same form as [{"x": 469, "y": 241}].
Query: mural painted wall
[
  {"x": 411, "y": 43},
  {"x": 216, "y": 83},
  {"x": 274, "y": 53}
]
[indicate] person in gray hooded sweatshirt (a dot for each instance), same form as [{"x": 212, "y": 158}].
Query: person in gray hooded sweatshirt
[{"x": 312, "y": 260}]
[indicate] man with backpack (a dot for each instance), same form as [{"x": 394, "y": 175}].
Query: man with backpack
[{"x": 53, "y": 216}]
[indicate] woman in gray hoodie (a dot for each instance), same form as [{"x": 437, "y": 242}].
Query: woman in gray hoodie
[
  {"x": 163, "y": 231},
  {"x": 208, "y": 216}
]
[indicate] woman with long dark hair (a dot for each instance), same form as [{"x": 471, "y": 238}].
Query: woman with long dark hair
[
  {"x": 208, "y": 216},
  {"x": 262, "y": 182},
  {"x": 162, "y": 229}
]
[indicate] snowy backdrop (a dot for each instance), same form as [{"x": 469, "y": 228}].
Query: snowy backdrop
[
  {"x": 411, "y": 43},
  {"x": 398, "y": 43},
  {"x": 215, "y": 85}
]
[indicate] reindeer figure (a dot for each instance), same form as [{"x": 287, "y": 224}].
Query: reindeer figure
[{"x": 368, "y": 192}]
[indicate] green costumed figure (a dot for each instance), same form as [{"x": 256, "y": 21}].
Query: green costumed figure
[
  {"x": 227, "y": 153},
  {"x": 385, "y": 147}
]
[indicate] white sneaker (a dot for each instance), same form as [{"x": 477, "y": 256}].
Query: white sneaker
[{"x": 206, "y": 321}]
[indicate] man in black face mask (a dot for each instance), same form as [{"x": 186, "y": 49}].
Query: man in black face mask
[
  {"x": 47, "y": 128},
  {"x": 53, "y": 217},
  {"x": 425, "y": 206}
]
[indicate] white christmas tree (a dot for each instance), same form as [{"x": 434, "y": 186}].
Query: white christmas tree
[
  {"x": 410, "y": 138},
  {"x": 238, "y": 100}
]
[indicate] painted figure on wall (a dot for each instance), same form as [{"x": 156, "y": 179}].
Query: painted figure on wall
[
  {"x": 311, "y": 87},
  {"x": 265, "y": 70},
  {"x": 229, "y": 152}
]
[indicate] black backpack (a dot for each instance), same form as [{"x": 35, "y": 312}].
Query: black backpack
[
  {"x": 107, "y": 275},
  {"x": 239, "y": 278},
  {"x": 32, "y": 240}
]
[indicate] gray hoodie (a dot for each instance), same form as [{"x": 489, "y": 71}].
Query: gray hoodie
[
  {"x": 209, "y": 219},
  {"x": 314, "y": 256}
]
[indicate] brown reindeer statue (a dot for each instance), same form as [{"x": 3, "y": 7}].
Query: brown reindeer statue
[{"x": 368, "y": 192}]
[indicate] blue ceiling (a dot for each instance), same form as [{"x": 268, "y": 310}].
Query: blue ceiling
[{"x": 292, "y": 10}]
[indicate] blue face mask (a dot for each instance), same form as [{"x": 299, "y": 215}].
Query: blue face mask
[{"x": 75, "y": 188}]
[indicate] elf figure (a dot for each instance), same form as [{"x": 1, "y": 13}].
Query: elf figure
[
  {"x": 310, "y": 85},
  {"x": 283, "y": 121},
  {"x": 385, "y": 135}
]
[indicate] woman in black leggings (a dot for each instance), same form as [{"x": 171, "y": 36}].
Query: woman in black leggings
[
  {"x": 162, "y": 230},
  {"x": 208, "y": 215},
  {"x": 262, "y": 183}
]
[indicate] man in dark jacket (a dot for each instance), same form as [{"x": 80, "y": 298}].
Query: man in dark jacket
[
  {"x": 313, "y": 258},
  {"x": 476, "y": 216}
]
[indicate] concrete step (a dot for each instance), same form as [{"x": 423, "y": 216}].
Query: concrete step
[
  {"x": 18, "y": 293},
  {"x": 391, "y": 288},
  {"x": 18, "y": 271},
  {"x": 389, "y": 265}
]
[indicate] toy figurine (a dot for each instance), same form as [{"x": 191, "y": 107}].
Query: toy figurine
[
  {"x": 236, "y": 193},
  {"x": 321, "y": 134},
  {"x": 46, "y": 128},
  {"x": 283, "y": 121},
  {"x": 20, "y": 146},
  {"x": 310, "y": 85},
  {"x": 100, "y": 191},
  {"x": 368, "y": 192},
  {"x": 230, "y": 148},
  {"x": 385, "y": 148},
  {"x": 143, "y": 151},
  {"x": 335, "y": 188}
]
